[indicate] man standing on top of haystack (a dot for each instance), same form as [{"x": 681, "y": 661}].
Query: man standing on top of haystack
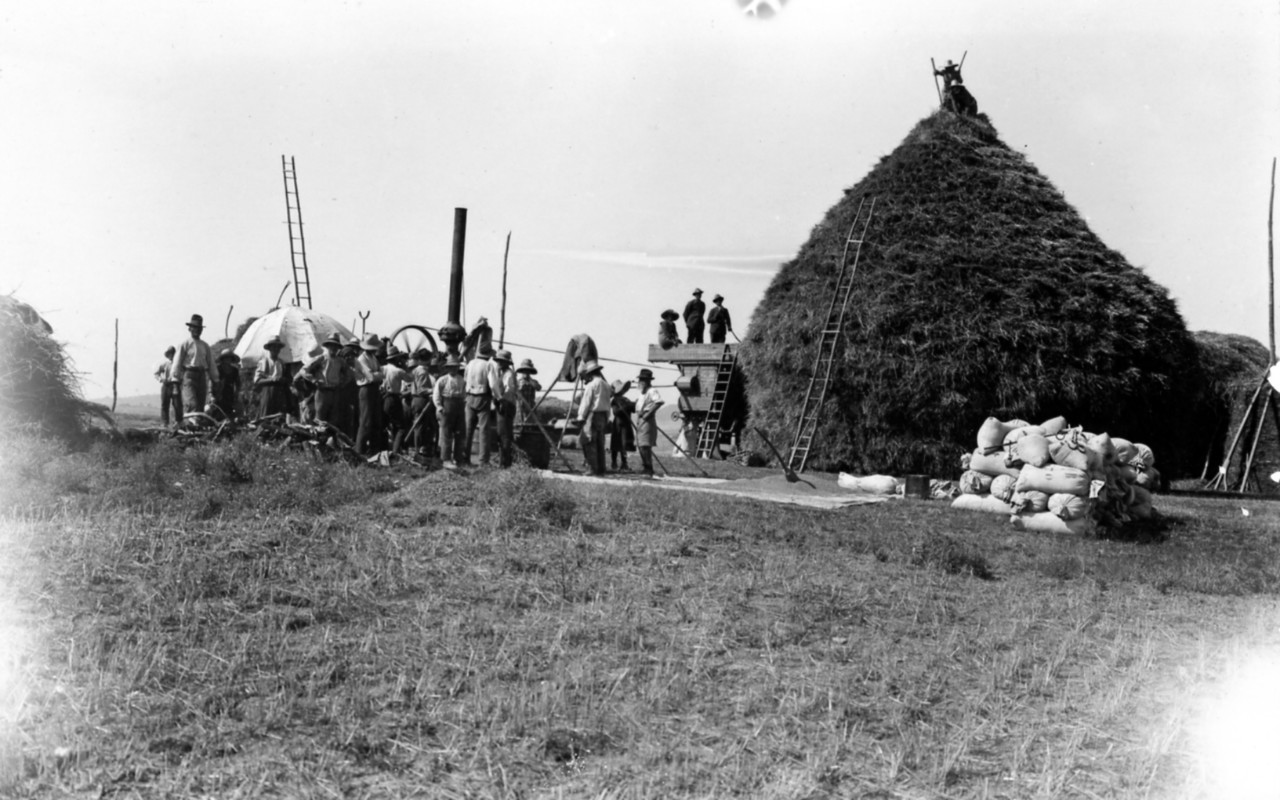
[
  {"x": 450, "y": 397},
  {"x": 482, "y": 390},
  {"x": 170, "y": 394},
  {"x": 271, "y": 379},
  {"x": 667, "y": 336},
  {"x": 505, "y": 401},
  {"x": 950, "y": 74},
  {"x": 718, "y": 320},
  {"x": 647, "y": 420},
  {"x": 328, "y": 373},
  {"x": 593, "y": 415},
  {"x": 528, "y": 388},
  {"x": 196, "y": 368},
  {"x": 694, "y": 311},
  {"x": 369, "y": 434}
]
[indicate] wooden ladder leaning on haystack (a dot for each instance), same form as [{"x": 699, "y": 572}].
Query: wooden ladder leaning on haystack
[
  {"x": 297, "y": 244},
  {"x": 709, "y": 438},
  {"x": 821, "y": 378}
]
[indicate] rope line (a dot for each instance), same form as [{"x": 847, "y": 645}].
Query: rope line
[{"x": 561, "y": 352}]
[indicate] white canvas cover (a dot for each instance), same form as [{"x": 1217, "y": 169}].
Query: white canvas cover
[{"x": 300, "y": 329}]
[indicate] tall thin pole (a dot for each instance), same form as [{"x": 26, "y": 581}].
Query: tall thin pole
[
  {"x": 502, "y": 319},
  {"x": 1271, "y": 269},
  {"x": 115, "y": 367}
]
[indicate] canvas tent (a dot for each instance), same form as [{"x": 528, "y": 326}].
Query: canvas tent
[
  {"x": 300, "y": 329},
  {"x": 980, "y": 291}
]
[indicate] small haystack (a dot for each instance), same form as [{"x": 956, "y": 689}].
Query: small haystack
[
  {"x": 39, "y": 391},
  {"x": 1233, "y": 368},
  {"x": 980, "y": 291}
]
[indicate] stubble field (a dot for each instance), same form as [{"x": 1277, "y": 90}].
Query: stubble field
[{"x": 241, "y": 621}]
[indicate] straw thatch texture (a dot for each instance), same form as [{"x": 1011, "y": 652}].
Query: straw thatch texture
[
  {"x": 1233, "y": 367},
  {"x": 980, "y": 292},
  {"x": 39, "y": 391}
]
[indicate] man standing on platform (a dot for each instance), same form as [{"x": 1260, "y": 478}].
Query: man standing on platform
[
  {"x": 593, "y": 415},
  {"x": 694, "y": 311},
  {"x": 170, "y": 394},
  {"x": 718, "y": 320},
  {"x": 196, "y": 368}
]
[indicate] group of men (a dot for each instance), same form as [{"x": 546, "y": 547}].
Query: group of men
[
  {"x": 697, "y": 320},
  {"x": 604, "y": 409}
]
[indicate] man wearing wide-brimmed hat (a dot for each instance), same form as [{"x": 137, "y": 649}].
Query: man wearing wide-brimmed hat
[
  {"x": 482, "y": 393},
  {"x": 622, "y": 437},
  {"x": 593, "y": 415},
  {"x": 170, "y": 390},
  {"x": 667, "y": 336},
  {"x": 506, "y": 399},
  {"x": 647, "y": 419},
  {"x": 394, "y": 378},
  {"x": 328, "y": 373},
  {"x": 422, "y": 412},
  {"x": 528, "y": 387},
  {"x": 369, "y": 435},
  {"x": 271, "y": 379},
  {"x": 718, "y": 321},
  {"x": 196, "y": 367},
  {"x": 228, "y": 383},
  {"x": 449, "y": 395},
  {"x": 694, "y": 312}
]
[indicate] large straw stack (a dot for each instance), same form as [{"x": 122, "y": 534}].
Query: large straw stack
[{"x": 1055, "y": 478}]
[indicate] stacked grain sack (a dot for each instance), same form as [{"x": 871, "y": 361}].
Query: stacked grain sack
[{"x": 1054, "y": 478}]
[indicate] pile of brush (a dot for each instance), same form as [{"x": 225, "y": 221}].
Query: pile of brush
[
  {"x": 1054, "y": 478},
  {"x": 320, "y": 437}
]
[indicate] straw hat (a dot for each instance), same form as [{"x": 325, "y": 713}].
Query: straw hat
[
  {"x": 503, "y": 356},
  {"x": 590, "y": 367},
  {"x": 334, "y": 341},
  {"x": 620, "y": 387},
  {"x": 371, "y": 342},
  {"x": 670, "y": 314},
  {"x": 527, "y": 366},
  {"x": 393, "y": 352},
  {"x": 275, "y": 342}
]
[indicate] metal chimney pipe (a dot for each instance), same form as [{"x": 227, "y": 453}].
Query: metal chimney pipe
[{"x": 452, "y": 333}]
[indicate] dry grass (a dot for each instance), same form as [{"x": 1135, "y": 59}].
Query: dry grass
[{"x": 498, "y": 635}]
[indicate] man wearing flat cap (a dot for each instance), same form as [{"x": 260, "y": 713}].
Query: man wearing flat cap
[
  {"x": 196, "y": 368},
  {"x": 718, "y": 320},
  {"x": 694, "y": 312}
]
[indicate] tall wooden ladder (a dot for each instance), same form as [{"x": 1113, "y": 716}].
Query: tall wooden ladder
[
  {"x": 820, "y": 381},
  {"x": 297, "y": 242},
  {"x": 709, "y": 438}
]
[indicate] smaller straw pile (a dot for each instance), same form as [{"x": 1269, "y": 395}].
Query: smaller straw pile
[
  {"x": 39, "y": 391},
  {"x": 1057, "y": 479}
]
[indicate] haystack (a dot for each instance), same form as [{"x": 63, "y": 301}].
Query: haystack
[
  {"x": 1233, "y": 367},
  {"x": 980, "y": 291},
  {"x": 39, "y": 389}
]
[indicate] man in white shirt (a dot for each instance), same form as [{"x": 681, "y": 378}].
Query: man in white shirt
[
  {"x": 271, "y": 379},
  {"x": 370, "y": 435},
  {"x": 506, "y": 401},
  {"x": 170, "y": 394},
  {"x": 449, "y": 395},
  {"x": 481, "y": 378},
  {"x": 593, "y": 415},
  {"x": 196, "y": 368}
]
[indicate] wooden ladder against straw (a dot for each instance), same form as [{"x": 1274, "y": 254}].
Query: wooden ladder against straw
[
  {"x": 297, "y": 244},
  {"x": 709, "y": 438},
  {"x": 821, "y": 378}
]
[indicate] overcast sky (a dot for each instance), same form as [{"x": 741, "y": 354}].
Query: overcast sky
[{"x": 634, "y": 150}]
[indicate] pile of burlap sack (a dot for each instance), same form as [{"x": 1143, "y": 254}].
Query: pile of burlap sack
[{"x": 1054, "y": 478}]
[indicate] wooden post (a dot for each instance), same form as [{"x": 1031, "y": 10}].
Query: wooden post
[
  {"x": 502, "y": 319},
  {"x": 226, "y": 326},
  {"x": 1271, "y": 270},
  {"x": 115, "y": 367}
]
